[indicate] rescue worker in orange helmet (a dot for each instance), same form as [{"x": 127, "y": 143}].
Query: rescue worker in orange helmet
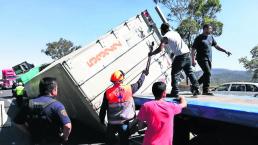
[{"x": 119, "y": 104}]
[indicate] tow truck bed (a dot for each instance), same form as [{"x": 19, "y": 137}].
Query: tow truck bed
[{"x": 230, "y": 109}]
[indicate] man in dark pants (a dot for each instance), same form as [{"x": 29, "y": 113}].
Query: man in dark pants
[
  {"x": 119, "y": 104},
  {"x": 202, "y": 44},
  {"x": 175, "y": 46},
  {"x": 45, "y": 118}
]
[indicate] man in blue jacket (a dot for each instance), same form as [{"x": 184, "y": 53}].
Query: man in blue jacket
[{"x": 45, "y": 118}]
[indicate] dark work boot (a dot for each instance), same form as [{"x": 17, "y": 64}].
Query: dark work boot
[
  {"x": 207, "y": 92},
  {"x": 173, "y": 94},
  {"x": 195, "y": 90}
]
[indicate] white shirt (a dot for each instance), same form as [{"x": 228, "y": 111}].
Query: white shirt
[{"x": 175, "y": 44}]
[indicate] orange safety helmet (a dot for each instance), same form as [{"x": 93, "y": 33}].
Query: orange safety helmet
[{"x": 118, "y": 75}]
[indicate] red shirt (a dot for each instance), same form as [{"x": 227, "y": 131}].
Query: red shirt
[{"x": 159, "y": 117}]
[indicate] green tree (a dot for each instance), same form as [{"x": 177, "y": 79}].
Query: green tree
[
  {"x": 188, "y": 17},
  {"x": 251, "y": 65},
  {"x": 60, "y": 48}
]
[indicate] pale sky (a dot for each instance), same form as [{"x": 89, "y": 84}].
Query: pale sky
[{"x": 26, "y": 26}]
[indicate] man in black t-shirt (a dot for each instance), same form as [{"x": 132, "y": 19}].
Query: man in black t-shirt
[{"x": 202, "y": 45}]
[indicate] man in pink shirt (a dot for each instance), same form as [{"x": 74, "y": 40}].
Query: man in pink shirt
[{"x": 158, "y": 115}]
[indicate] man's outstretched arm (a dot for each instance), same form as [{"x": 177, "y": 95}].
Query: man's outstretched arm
[
  {"x": 222, "y": 50},
  {"x": 136, "y": 86},
  {"x": 164, "y": 41}
]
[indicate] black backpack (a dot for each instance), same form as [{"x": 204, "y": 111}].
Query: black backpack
[{"x": 40, "y": 125}]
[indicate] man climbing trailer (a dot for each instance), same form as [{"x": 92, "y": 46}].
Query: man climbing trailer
[{"x": 176, "y": 47}]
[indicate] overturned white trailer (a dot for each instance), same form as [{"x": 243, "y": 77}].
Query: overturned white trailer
[{"x": 84, "y": 74}]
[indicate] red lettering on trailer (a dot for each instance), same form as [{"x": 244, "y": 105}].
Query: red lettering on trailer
[{"x": 102, "y": 54}]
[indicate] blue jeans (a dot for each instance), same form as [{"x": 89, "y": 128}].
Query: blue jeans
[
  {"x": 182, "y": 62},
  {"x": 123, "y": 133}
]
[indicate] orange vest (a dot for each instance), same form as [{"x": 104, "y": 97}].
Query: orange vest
[
  {"x": 120, "y": 104},
  {"x": 119, "y": 93}
]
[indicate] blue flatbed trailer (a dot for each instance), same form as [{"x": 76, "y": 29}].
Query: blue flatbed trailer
[{"x": 215, "y": 120}]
